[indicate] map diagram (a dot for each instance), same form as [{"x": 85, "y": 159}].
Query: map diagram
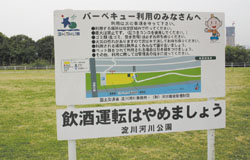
[{"x": 109, "y": 77}]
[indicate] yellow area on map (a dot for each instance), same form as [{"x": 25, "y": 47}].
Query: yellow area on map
[
  {"x": 119, "y": 78},
  {"x": 66, "y": 62}
]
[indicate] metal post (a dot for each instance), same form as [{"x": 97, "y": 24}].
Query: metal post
[
  {"x": 211, "y": 139},
  {"x": 71, "y": 144},
  {"x": 72, "y": 149},
  {"x": 25, "y": 68}
]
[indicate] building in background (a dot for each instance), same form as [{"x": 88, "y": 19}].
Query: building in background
[{"x": 230, "y": 33}]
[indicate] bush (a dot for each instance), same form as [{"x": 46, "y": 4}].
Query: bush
[{"x": 40, "y": 62}]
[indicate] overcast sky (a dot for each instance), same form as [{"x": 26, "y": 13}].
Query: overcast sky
[{"x": 35, "y": 18}]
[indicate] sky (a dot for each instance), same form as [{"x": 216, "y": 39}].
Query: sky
[{"x": 34, "y": 18}]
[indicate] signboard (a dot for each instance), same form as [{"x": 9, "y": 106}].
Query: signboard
[
  {"x": 83, "y": 123},
  {"x": 127, "y": 56}
]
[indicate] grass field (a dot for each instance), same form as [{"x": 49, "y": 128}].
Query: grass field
[{"x": 28, "y": 125}]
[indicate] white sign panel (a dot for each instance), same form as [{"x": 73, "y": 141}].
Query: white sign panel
[
  {"x": 83, "y": 123},
  {"x": 124, "y": 56}
]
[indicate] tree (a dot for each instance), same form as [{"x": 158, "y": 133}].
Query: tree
[
  {"x": 45, "y": 48},
  {"x": 22, "y": 49},
  {"x": 4, "y": 50},
  {"x": 237, "y": 54}
]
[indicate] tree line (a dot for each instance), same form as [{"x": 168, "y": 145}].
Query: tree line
[
  {"x": 21, "y": 49},
  {"x": 237, "y": 54}
]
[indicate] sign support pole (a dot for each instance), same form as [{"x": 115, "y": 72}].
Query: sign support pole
[
  {"x": 211, "y": 139},
  {"x": 71, "y": 143}
]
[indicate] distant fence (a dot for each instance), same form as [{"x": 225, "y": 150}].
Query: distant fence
[
  {"x": 243, "y": 64},
  {"x": 26, "y": 67},
  {"x": 53, "y": 67}
]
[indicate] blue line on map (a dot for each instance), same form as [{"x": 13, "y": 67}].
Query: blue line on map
[{"x": 171, "y": 89}]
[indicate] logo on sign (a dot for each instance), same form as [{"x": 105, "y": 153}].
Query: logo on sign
[
  {"x": 67, "y": 23},
  {"x": 69, "y": 26}
]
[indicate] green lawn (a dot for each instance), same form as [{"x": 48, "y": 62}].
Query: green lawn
[{"x": 28, "y": 125}]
